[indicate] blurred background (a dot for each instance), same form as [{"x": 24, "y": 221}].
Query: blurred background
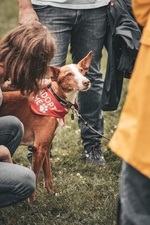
[{"x": 8, "y": 16}]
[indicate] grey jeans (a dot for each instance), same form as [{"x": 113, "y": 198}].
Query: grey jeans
[
  {"x": 16, "y": 182},
  {"x": 134, "y": 197},
  {"x": 83, "y": 31},
  {"x": 11, "y": 132}
]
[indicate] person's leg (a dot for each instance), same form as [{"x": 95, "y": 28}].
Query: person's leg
[
  {"x": 11, "y": 132},
  {"x": 17, "y": 183},
  {"x": 60, "y": 22},
  {"x": 89, "y": 33},
  {"x": 134, "y": 197}
]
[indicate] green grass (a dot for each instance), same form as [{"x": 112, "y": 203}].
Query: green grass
[
  {"x": 84, "y": 194},
  {"x": 8, "y": 16}
]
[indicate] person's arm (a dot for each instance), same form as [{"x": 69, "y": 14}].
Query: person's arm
[
  {"x": 26, "y": 12},
  {"x": 141, "y": 10}
]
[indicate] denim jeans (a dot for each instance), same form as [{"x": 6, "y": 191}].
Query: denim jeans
[
  {"x": 11, "y": 132},
  {"x": 134, "y": 197},
  {"x": 16, "y": 182},
  {"x": 83, "y": 31}
]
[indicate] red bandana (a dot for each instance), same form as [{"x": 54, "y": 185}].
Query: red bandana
[{"x": 46, "y": 104}]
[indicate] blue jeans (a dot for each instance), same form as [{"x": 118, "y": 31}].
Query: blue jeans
[
  {"x": 82, "y": 30},
  {"x": 16, "y": 182},
  {"x": 11, "y": 132},
  {"x": 134, "y": 197}
]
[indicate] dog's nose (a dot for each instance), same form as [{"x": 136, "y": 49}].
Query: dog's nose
[{"x": 86, "y": 83}]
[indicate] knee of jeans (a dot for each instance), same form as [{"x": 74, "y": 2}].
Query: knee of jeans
[
  {"x": 21, "y": 129},
  {"x": 27, "y": 181},
  {"x": 18, "y": 125},
  {"x": 31, "y": 181}
]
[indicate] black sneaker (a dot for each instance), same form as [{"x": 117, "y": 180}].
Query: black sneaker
[{"x": 95, "y": 156}]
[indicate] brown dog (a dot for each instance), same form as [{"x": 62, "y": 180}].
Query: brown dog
[{"x": 40, "y": 129}]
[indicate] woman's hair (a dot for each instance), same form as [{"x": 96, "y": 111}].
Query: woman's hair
[{"x": 26, "y": 51}]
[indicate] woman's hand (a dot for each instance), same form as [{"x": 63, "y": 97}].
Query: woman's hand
[
  {"x": 5, "y": 154},
  {"x": 7, "y": 86}
]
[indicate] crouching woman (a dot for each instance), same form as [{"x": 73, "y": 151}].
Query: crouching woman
[{"x": 24, "y": 55}]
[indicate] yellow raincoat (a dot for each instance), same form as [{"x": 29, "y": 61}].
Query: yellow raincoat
[{"x": 131, "y": 140}]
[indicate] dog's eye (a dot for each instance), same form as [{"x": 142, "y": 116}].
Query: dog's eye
[{"x": 69, "y": 74}]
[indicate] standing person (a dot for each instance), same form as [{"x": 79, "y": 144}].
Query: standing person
[
  {"x": 24, "y": 55},
  {"x": 131, "y": 140},
  {"x": 83, "y": 26}
]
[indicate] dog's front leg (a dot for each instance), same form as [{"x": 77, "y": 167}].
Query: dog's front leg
[
  {"x": 38, "y": 156},
  {"x": 52, "y": 125},
  {"x": 48, "y": 177}
]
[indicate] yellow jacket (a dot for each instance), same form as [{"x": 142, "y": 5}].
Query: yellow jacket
[{"x": 131, "y": 140}]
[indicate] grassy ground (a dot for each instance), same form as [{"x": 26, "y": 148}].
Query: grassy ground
[{"x": 84, "y": 194}]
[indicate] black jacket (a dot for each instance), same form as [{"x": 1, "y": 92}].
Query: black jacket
[{"x": 122, "y": 46}]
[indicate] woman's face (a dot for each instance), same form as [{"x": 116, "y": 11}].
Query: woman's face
[{"x": 2, "y": 74}]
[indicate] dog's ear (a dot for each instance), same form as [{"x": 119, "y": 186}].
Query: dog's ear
[
  {"x": 53, "y": 72},
  {"x": 85, "y": 62}
]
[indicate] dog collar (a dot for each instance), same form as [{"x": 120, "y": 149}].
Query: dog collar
[{"x": 63, "y": 101}]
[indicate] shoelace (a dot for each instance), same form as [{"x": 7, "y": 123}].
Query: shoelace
[{"x": 96, "y": 152}]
